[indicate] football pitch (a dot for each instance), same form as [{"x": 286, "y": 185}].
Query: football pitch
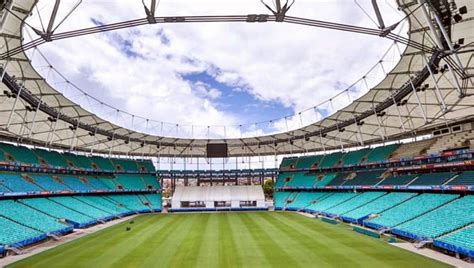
[{"x": 235, "y": 239}]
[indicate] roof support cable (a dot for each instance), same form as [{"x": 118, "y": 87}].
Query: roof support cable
[
  {"x": 49, "y": 142},
  {"x": 393, "y": 99},
  {"x": 74, "y": 136},
  {"x": 381, "y": 130},
  {"x": 422, "y": 110},
  {"x": 14, "y": 107},
  {"x": 360, "y": 140},
  {"x": 94, "y": 140},
  {"x": 430, "y": 25},
  {"x": 435, "y": 83},
  {"x": 30, "y": 133},
  {"x": 339, "y": 131}
]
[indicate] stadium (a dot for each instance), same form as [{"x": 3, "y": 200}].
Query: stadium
[{"x": 238, "y": 134}]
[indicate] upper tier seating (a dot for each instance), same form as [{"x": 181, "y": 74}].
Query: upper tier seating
[
  {"x": 355, "y": 157},
  {"x": 331, "y": 160},
  {"x": 125, "y": 164},
  {"x": 398, "y": 180},
  {"x": 302, "y": 179},
  {"x": 355, "y": 202},
  {"x": 311, "y": 161},
  {"x": 379, "y": 205},
  {"x": 447, "y": 218},
  {"x": 331, "y": 201},
  {"x": 145, "y": 165},
  {"x": 131, "y": 182},
  {"x": 13, "y": 232},
  {"x": 463, "y": 238},
  {"x": 18, "y": 212},
  {"x": 323, "y": 179},
  {"x": 412, "y": 208},
  {"x": 409, "y": 150},
  {"x": 56, "y": 210},
  {"x": 19, "y": 154},
  {"x": 339, "y": 179},
  {"x": 282, "y": 179},
  {"x": 371, "y": 177},
  {"x": 465, "y": 178},
  {"x": 52, "y": 158},
  {"x": 432, "y": 178},
  {"x": 102, "y": 163},
  {"x": 151, "y": 180},
  {"x": 16, "y": 183},
  {"x": 451, "y": 141},
  {"x": 381, "y": 153},
  {"x": 78, "y": 161},
  {"x": 288, "y": 163}
]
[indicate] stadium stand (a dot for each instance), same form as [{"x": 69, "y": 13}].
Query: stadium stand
[
  {"x": 464, "y": 178},
  {"x": 302, "y": 180},
  {"x": 330, "y": 201},
  {"x": 398, "y": 180},
  {"x": 438, "y": 178},
  {"x": 453, "y": 215},
  {"x": 461, "y": 241},
  {"x": 371, "y": 177},
  {"x": 409, "y": 150},
  {"x": 355, "y": 157},
  {"x": 410, "y": 209},
  {"x": 16, "y": 183},
  {"x": 356, "y": 202},
  {"x": 339, "y": 179},
  {"x": 308, "y": 162},
  {"x": 381, "y": 153},
  {"x": 131, "y": 182},
  {"x": 452, "y": 141},
  {"x": 331, "y": 160},
  {"x": 376, "y": 207}
]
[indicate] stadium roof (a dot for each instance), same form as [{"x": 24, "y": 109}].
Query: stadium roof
[{"x": 431, "y": 86}]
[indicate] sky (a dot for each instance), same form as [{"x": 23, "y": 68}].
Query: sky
[{"x": 241, "y": 79}]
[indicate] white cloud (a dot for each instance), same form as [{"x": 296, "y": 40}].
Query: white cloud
[{"x": 298, "y": 66}]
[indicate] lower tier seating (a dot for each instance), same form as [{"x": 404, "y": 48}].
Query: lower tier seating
[
  {"x": 410, "y": 209},
  {"x": 29, "y": 220},
  {"x": 378, "y": 206},
  {"x": 452, "y": 216},
  {"x": 355, "y": 202},
  {"x": 330, "y": 201},
  {"x": 461, "y": 241}
]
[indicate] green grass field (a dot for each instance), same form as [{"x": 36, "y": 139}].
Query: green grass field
[{"x": 247, "y": 239}]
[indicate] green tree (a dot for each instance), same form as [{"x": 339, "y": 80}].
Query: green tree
[{"x": 268, "y": 188}]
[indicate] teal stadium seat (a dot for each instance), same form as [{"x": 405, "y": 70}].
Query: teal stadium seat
[
  {"x": 30, "y": 217},
  {"x": 356, "y": 202},
  {"x": 432, "y": 179},
  {"x": 75, "y": 184},
  {"x": 339, "y": 179},
  {"x": 465, "y": 178},
  {"x": 48, "y": 183},
  {"x": 58, "y": 211},
  {"x": 354, "y": 157},
  {"x": 365, "y": 178},
  {"x": 442, "y": 220},
  {"x": 308, "y": 162},
  {"x": 411, "y": 209},
  {"x": 331, "y": 201},
  {"x": 130, "y": 182},
  {"x": 20, "y": 154},
  {"x": 78, "y": 161},
  {"x": 463, "y": 238},
  {"x": 288, "y": 162},
  {"x": 331, "y": 160},
  {"x": 12, "y": 232},
  {"x": 81, "y": 207},
  {"x": 102, "y": 163},
  {"x": 304, "y": 199},
  {"x": 381, "y": 153},
  {"x": 398, "y": 180},
  {"x": 51, "y": 158},
  {"x": 151, "y": 181},
  {"x": 379, "y": 205},
  {"x": 16, "y": 183}
]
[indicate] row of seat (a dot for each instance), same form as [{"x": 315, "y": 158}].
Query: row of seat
[
  {"x": 26, "y": 221},
  {"x": 14, "y": 182},
  {"x": 41, "y": 157},
  {"x": 371, "y": 178},
  {"x": 365, "y": 155},
  {"x": 448, "y": 219}
]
